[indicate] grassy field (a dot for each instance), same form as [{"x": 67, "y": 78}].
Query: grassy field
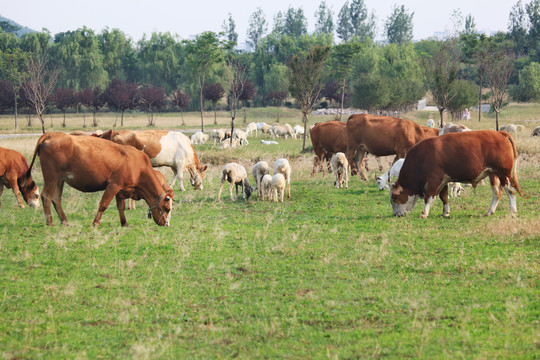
[{"x": 327, "y": 274}]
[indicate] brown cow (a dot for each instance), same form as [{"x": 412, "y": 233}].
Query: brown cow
[
  {"x": 329, "y": 138},
  {"x": 382, "y": 136},
  {"x": 14, "y": 175},
  {"x": 91, "y": 164},
  {"x": 164, "y": 148},
  {"x": 465, "y": 157}
]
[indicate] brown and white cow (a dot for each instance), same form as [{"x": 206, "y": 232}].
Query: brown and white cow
[
  {"x": 465, "y": 157},
  {"x": 90, "y": 164},
  {"x": 14, "y": 175},
  {"x": 164, "y": 148},
  {"x": 329, "y": 138},
  {"x": 382, "y": 136}
]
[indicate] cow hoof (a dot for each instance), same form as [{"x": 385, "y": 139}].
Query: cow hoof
[
  {"x": 65, "y": 223},
  {"x": 446, "y": 216}
]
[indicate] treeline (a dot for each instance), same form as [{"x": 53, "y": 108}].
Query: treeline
[{"x": 164, "y": 72}]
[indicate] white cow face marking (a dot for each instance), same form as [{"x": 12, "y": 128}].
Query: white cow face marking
[{"x": 402, "y": 203}]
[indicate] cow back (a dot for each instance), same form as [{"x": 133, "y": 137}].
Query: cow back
[{"x": 329, "y": 137}]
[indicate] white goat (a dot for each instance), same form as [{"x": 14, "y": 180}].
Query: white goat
[
  {"x": 282, "y": 166},
  {"x": 278, "y": 187},
  {"x": 430, "y": 123},
  {"x": 250, "y": 128},
  {"x": 235, "y": 174},
  {"x": 392, "y": 173},
  {"x": 266, "y": 187},
  {"x": 259, "y": 170},
  {"x": 199, "y": 138},
  {"x": 340, "y": 167}
]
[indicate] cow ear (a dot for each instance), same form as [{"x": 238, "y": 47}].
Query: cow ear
[{"x": 204, "y": 168}]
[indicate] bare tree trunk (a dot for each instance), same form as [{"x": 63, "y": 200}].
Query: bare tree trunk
[
  {"x": 202, "y": 106},
  {"x": 305, "y": 132},
  {"x": 215, "y": 115},
  {"x": 122, "y": 119},
  {"x": 42, "y": 123},
  {"x": 182, "y": 116},
  {"x": 497, "y": 119},
  {"x": 441, "y": 114},
  {"x": 64, "y": 122},
  {"x": 342, "y": 99},
  {"x": 480, "y": 102},
  {"x": 15, "y": 111}
]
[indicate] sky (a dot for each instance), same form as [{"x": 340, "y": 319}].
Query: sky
[{"x": 188, "y": 18}]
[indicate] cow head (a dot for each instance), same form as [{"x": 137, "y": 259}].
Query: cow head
[
  {"x": 161, "y": 213},
  {"x": 401, "y": 199},
  {"x": 197, "y": 176},
  {"x": 29, "y": 191}
]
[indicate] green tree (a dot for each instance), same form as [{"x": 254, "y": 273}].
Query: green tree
[
  {"x": 517, "y": 28},
  {"x": 257, "y": 28},
  {"x": 203, "y": 52},
  {"x": 293, "y": 23},
  {"x": 80, "y": 60},
  {"x": 399, "y": 25},
  {"x": 440, "y": 72},
  {"x": 470, "y": 25},
  {"x": 344, "y": 26},
  {"x": 465, "y": 97},
  {"x": 8, "y": 27},
  {"x": 341, "y": 60},
  {"x": 324, "y": 23},
  {"x": 158, "y": 62},
  {"x": 13, "y": 68},
  {"x": 119, "y": 58},
  {"x": 36, "y": 42},
  {"x": 533, "y": 12},
  {"x": 529, "y": 83},
  {"x": 363, "y": 24},
  {"x": 229, "y": 27},
  {"x": 306, "y": 80}
]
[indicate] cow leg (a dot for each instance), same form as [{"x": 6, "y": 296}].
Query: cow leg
[
  {"x": 109, "y": 193},
  {"x": 361, "y": 164},
  {"x": 379, "y": 163},
  {"x": 443, "y": 195},
  {"x": 46, "y": 198},
  {"x": 511, "y": 192},
  {"x": 15, "y": 187},
  {"x": 121, "y": 205},
  {"x": 427, "y": 205},
  {"x": 497, "y": 193},
  {"x": 1, "y": 192},
  {"x": 57, "y": 202}
]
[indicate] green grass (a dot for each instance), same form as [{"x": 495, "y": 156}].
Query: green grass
[{"x": 327, "y": 274}]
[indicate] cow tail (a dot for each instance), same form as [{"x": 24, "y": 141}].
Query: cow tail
[
  {"x": 514, "y": 180},
  {"x": 36, "y": 152}
]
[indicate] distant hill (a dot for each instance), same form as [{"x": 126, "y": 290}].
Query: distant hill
[{"x": 23, "y": 29}]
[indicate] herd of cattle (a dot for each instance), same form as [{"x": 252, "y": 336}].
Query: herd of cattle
[{"x": 120, "y": 163}]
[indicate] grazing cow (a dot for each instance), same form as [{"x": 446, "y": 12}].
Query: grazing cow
[
  {"x": 14, "y": 175},
  {"x": 329, "y": 138},
  {"x": 382, "y": 136},
  {"x": 164, "y": 148},
  {"x": 90, "y": 164},
  {"x": 431, "y": 165}
]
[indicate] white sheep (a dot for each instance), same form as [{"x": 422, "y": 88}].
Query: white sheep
[
  {"x": 199, "y": 138},
  {"x": 455, "y": 189},
  {"x": 266, "y": 187},
  {"x": 265, "y": 128},
  {"x": 227, "y": 143},
  {"x": 280, "y": 131},
  {"x": 512, "y": 129},
  {"x": 278, "y": 187},
  {"x": 392, "y": 173},
  {"x": 235, "y": 174},
  {"x": 282, "y": 166},
  {"x": 259, "y": 170},
  {"x": 430, "y": 123},
  {"x": 298, "y": 130},
  {"x": 340, "y": 167},
  {"x": 241, "y": 136},
  {"x": 218, "y": 135},
  {"x": 250, "y": 128}
]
